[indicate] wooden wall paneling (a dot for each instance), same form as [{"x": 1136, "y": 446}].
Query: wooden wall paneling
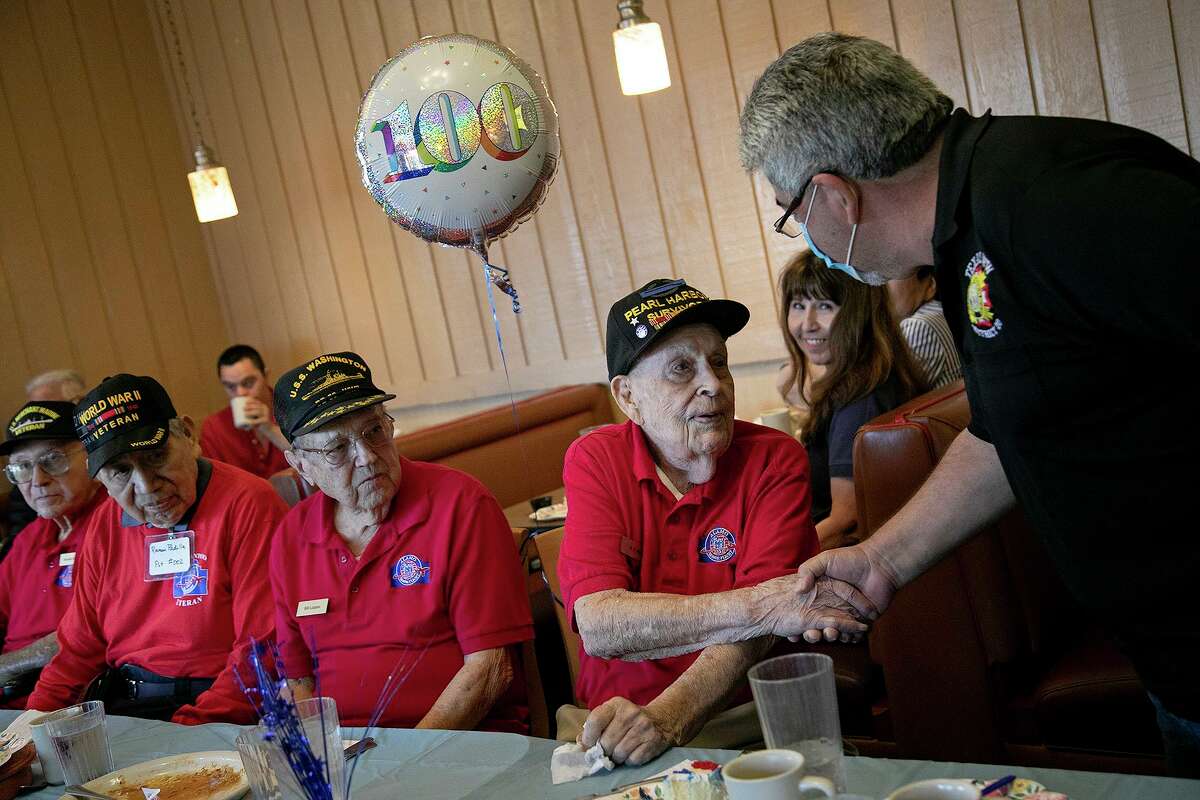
[
  {"x": 927, "y": 36},
  {"x": 15, "y": 361},
  {"x": 223, "y": 237},
  {"x": 39, "y": 257},
  {"x": 1137, "y": 59},
  {"x": 273, "y": 237},
  {"x": 737, "y": 231},
  {"x": 135, "y": 195},
  {"x": 994, "y": 51},
  {"x": 93, "y": 166},
  {"x": 1185, "y": 27},
  {"x": 677, "y": 172},
  {"x": 626, "y": 149},
  {"x": 1062, "y": 58},
  {"x": 605, "y": 249},
  {"x": 399, "y": 28},
  {"x": 750, "y": 52},
  {"x": 570, "y": 288},
  {"x": 457, "y": 271},
  {"x": 474, "y": 17},
  {"x": 324, "y": 140},
  {"x": 385, "y": 283},
  {"x": 169, "y": 164},
  {"x": 799, "y": 19},
  {"x": 869, "y": 18}
]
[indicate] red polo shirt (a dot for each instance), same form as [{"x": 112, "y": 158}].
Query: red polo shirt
[
  {"x": 196, "y": 625},
  {"x": 220, "y": 440},
  {"x": 625, "y": 530},
  {"x": 440, "y": 573},
  {"x": 35, "y": 585}
]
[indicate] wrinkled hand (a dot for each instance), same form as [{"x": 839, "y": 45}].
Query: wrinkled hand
[
  {"x": 629, "y": 733},
  {"x": 856, "y": 575},
  {"x": 827, "y": 607}
]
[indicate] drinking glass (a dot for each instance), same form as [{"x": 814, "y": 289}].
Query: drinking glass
[
  {"x": 797, "y": 706},
  {"x": 267, "y": 769},
  {"x": 79, "y": 737}
]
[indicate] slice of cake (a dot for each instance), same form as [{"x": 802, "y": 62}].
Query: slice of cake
[{"x": 688, "y": 780}]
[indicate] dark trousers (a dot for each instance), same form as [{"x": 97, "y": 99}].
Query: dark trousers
[{"x": 131, "y": 691}]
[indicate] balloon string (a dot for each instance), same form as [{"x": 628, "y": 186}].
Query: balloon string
[{"x": 489, "y": 278}]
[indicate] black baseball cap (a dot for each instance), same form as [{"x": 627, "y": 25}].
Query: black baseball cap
[
  {"x": 40, "y": 419},
  {"x": 662, "y": 305},
  {"x": 323, "y": 389},
  {"x": 124, "y": 414}
]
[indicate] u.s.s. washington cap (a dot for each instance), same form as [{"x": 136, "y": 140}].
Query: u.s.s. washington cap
[
  {"x": 321, "y": 390},
  {"x": 39, "y": 419},
  {"x": 662, "y": 305},
  {"x": 125, "y": 413}
]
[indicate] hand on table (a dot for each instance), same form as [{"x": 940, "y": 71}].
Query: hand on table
[
  {"x": 629, "y": 733},
  {"x": 855, "y": 575}
]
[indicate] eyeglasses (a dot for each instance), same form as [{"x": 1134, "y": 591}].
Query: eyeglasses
[
  {"x": 788, "y": 225},
  {"x": 118, "y": 472},
  {"x": 53, "y": 463},
  {"x": 374, "y": 436}
]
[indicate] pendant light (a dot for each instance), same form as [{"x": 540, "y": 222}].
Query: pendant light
[
  {"x": 641, "y": 55},
  {"x": 212, "y": 193}
]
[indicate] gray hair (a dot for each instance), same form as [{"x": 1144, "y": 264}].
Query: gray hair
[
  {"x": 841, "y": 104},
  {"x": 70, "y": 383}
]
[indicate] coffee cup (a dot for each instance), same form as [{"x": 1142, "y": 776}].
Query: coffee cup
[
  {"x": 778, "y": 418},
  {"x": 240, "y": 420},
  {"x": 772, "y": 775},
  {"x": 937, "y": 789}
]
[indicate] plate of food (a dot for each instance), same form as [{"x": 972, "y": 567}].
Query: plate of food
[{"x": 213, "y": 775}]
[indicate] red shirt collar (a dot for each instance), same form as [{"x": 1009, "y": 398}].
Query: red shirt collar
[{"x": 646, "y": 469}]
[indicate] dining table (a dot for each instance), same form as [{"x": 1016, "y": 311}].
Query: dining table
[{"x": 457, "y": 765}]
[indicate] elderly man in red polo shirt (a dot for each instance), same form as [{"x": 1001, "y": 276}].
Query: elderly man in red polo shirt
[
  {"x": 395, "y": 568},
  {"x": 171, "y": 584},
  {"x": 46, "y": 464},
  {"x": 685, "y": 529}
]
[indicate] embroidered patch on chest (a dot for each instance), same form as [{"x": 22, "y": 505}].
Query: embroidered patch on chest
[
  {"x": 980, "y": 310},
  {"x": 191, "y": 587},
  {"x": 719, "y": 545},
  {"x": 66, "y": 576},
  {"x": 409, "y": 571}
]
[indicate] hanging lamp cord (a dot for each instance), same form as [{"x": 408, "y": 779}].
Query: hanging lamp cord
[{"x": 187, "y": 85}]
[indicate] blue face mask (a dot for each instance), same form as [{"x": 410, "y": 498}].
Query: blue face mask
[{"x": 829, "y": 262}]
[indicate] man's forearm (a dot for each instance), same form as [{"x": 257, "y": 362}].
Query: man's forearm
[
  {"x": 707, "y": 686},
  {"x": 642, "y": 625},
  {"x": 28, "y": 658},
  {"x": 472, "y": 692},
  {"x": 966, "y": 491}
]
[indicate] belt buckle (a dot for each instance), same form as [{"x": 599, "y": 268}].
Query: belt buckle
[{"x": 131, "y": 688}]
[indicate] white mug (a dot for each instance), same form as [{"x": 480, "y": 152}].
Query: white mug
[
  {"x": 238, "y": 404},
  {"x": 48, "y": 759},
  {"x": 778, "y": 418},
  {"x": 937, "y": 789},
  {"x": 772, "y": 775}
]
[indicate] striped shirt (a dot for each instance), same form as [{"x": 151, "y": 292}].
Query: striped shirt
[{"x": 932, "y": 344}]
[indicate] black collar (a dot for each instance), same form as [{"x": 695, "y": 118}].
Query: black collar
[
  {"x": 203, "y": 476},
  {"x": 958, "y": 148}
]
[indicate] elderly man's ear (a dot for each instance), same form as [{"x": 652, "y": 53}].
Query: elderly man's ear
[
  {"x": 622, "y": 392},
  {"x": 297, "y": 463},
  {"x": 185, "y": 427}
]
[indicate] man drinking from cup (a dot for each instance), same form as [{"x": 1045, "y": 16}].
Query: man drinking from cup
[
  {"x": 47, "y": 466},
  {"x": 395, "y": 570},
  {"x": 683, "y": 530},
  {"x": 171, "y": 583},
  {"x": 244, "y": 433}
]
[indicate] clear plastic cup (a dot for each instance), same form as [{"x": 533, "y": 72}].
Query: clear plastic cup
[
  {"x": 267, "y": 769},
  {"x": 797, "y": 706},
  {"x": 79, "y": 737}
]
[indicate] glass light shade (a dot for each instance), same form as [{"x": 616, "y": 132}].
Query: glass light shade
[
  {"x": 212, "y": 193},
  {"x": 641, "y": 58}
]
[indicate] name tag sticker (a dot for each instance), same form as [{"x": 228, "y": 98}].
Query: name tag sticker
[
  {"x": 66, "y": 559},
  {"x": 310, "y": 608},
  {"x": 168, "y": 555}
]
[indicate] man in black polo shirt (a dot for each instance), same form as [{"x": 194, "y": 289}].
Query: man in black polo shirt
[{"x": 1067, "y": 255}]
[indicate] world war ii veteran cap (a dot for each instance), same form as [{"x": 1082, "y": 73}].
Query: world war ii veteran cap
[
  {"x": 638, "y": 319},
  {"x": 40, "y": 419},
  {"x": 323, "y": 389},
  {"x": 125, "y": 413}
]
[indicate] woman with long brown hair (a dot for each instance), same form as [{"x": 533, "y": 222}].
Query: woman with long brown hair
[{"x": 848, "y": 364}]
